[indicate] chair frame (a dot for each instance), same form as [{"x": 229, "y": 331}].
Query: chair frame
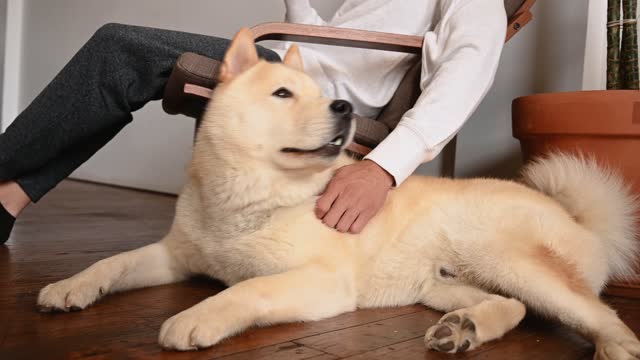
[{"x": 327, "y": 35}]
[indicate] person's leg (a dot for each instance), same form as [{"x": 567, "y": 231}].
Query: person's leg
[
  {"x": 14, "y": 199},
  {"x": 118, "y": 71},
  {"x": 15, "y": 196},
  {"x": 36, "y": 184}
]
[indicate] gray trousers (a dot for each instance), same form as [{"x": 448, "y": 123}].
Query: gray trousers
[{"x": 118, "y": 71}]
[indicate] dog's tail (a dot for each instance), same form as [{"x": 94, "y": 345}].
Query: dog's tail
[{"x": 597, "y": 198}]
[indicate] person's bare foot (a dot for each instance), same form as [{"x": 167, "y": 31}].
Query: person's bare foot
[{"x": 12, "y": 201}]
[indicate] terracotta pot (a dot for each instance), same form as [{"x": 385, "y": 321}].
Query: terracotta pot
[{"x": 604, "y": 124}]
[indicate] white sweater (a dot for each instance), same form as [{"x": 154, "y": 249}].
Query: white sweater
[{"x": 463, "y": 40}]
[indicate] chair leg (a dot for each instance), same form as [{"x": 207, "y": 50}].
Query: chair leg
[{"x": 449, "y": 158}]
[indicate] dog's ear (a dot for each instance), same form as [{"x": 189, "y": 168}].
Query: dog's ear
[
  {"x": 293, "y": 59},
  {"x": 240, "y": 56}
]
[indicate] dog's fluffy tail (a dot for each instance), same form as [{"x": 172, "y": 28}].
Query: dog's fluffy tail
[{"x": 597, "y": 198}]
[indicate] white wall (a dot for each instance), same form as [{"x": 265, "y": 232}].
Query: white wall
[
  {"x": 546, "y": 56},
  {"x": 3, "y": 31},
  {"x": 595, "y": 58},
  {"x": 11, "y": 59}
]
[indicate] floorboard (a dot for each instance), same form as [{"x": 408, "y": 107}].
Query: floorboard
[{"x": 80, "y": 223}]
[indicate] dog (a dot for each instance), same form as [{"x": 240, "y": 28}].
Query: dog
[{"x": 479, "y": 250}]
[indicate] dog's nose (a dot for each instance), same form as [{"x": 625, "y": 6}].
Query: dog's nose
[{"x": 341, "y": 108}]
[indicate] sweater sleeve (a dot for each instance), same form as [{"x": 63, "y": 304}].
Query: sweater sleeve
[
  {"x": 301, "y": 12},
  {"x": 459, "y": 62}
]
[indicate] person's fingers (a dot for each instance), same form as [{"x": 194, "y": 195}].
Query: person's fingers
[
  {"x": 323, "y": 205},
  {"x": 347, "y": 219},
  {"x": 360, "y": 222},
  {"x": 335, "y": 213}
]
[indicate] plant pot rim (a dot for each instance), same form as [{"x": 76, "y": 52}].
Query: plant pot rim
[
  {"x": 581, "y": 93},
  {"x": 592, "y": 113}
]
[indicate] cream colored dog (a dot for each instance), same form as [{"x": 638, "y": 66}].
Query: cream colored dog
[{"x": 478, "y": 249}]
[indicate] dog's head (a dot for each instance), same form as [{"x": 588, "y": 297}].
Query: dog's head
[{"x": 274, "y": 114}]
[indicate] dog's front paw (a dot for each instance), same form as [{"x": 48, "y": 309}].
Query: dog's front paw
[
  {"x": 190, "y": 330},
  {"x": 455, "y": 332},
  {"x": 69, "y": 295}
]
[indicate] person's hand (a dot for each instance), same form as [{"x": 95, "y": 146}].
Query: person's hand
[{"x": 354, "y": 195}]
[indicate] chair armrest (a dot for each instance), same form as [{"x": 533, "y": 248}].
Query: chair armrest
[
  {"x": 521, "y": 18},
  {"x": 328, "y": 35},
  {"x": 190, "y": 84},
  {"x": 193, "y": 77}
]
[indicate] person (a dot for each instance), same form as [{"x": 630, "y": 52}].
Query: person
[{"x": 122, "y": 67}]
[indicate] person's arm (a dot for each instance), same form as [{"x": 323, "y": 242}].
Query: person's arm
[
  {"x": 301, "y": 12},
  {"x": 460, "y": 58}
]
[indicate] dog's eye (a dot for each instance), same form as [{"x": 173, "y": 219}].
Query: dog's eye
[{"x": 282, "y": 93}]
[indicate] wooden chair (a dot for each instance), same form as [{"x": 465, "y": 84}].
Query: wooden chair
[{"x": 194, "y": 76}]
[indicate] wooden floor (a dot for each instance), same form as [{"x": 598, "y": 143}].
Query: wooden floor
[{"x": 79, "y": 223}]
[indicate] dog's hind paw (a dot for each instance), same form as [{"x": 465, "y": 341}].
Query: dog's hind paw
[
  {"x": 455, "y": 332},
  {"x": 69, "y": 295}
]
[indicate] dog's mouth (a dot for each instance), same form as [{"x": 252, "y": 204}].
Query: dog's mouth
[{"x": 332, "y": 148}]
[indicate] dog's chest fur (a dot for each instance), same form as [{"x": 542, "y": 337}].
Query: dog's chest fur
[{"x": 227, "y": 217}]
